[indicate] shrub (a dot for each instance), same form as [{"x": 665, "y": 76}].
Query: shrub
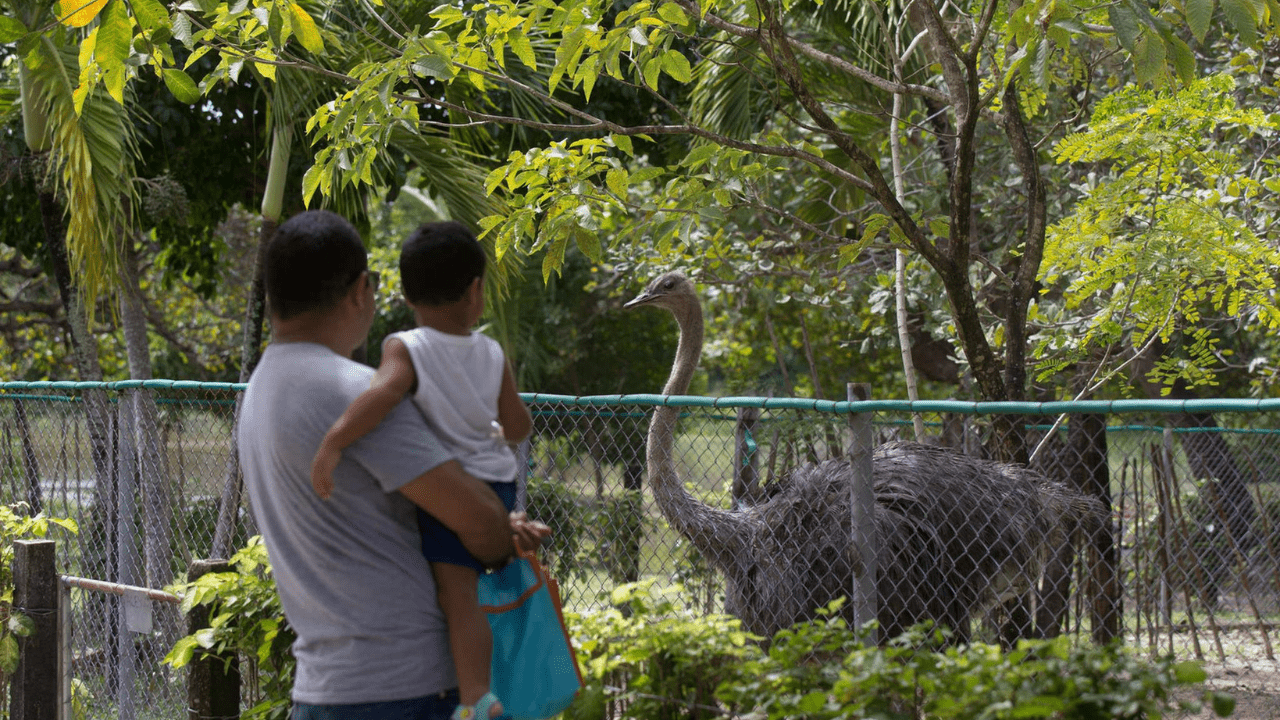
[{"x": 245, "y": 617}]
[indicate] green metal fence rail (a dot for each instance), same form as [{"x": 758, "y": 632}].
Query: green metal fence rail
[
  {"x": 1189, "y": 586},
  {"x": 1071, "y": 407}
]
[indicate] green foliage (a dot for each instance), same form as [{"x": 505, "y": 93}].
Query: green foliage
[
  {"x": 557, "y": 506},
  {"x": 245, "y": 618},
  {"x": 1163, "y": 237},
  {"x": 17, "y": 524},
  {"x": 659, "y": 662},
  {"x": 655, "y": 659}
]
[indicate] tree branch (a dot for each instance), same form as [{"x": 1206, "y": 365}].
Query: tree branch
[
  {"x": 594, "y": 124},
  {"x": 821, "y": 56}
]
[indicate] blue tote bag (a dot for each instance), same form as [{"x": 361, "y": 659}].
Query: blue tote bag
[{"x": 534, "y": 670}]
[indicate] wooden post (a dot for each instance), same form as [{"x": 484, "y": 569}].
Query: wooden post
[
  {"x": 746, "y": 474},
  {"x": 213, "y": 681},
  {"x": 34, "y": 688},
  {"x": 862, "y": 503}
]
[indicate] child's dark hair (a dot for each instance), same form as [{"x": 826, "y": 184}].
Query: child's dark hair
[{"x": 438, "y": 262}]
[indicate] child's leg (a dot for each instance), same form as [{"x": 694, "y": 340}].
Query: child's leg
[{"x": 469, "y": 635}]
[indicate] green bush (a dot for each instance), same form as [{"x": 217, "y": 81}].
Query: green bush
[
  {"x": 15, "y": 524},
  {"x": 245, "y": 617},
  {"x": 657, "y": 662},
  {"x": 652, "y": 659}
]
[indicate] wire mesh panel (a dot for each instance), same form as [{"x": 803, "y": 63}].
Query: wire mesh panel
[
  {"x": 141, "y": 471},
  {"x": 1154, "y": 523}
]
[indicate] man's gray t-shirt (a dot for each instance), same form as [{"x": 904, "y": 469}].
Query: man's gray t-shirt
[{"x": 350, "y": 571}]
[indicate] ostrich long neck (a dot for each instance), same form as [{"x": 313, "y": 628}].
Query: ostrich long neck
[
  {"x": 688, "y": 352},
  {"x": 717, "y": 534}
]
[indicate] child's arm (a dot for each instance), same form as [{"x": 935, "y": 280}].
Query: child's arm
[
  {"x": 394, "y": 378},
  {"x": 512, "y": 413}
]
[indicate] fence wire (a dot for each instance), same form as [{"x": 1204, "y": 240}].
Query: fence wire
[{"x": 1151, "y": 522}]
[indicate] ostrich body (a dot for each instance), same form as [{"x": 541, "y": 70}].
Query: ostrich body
[{"x": 957, "y": 534}]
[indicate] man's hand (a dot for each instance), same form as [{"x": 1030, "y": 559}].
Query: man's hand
[
  {"x": 528, "y": 533},
  {"x": 322, "y": 470}
]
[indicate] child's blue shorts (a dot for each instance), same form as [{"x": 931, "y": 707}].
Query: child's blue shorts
[{"x": 440, "y": 544}]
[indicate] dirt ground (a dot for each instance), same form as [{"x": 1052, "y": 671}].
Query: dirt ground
[{"x": 1255, "y": 686}]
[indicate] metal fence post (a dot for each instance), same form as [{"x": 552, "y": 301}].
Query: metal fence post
[
  {"x": 862, "y": 503},
  {"x": 34, "y": 685},
  {"x": 213, "y": 681}
]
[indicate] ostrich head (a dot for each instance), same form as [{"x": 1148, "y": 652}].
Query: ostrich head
[{"x": 672, "y": 291}]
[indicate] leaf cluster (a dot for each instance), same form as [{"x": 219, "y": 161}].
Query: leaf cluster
[
  {"x": 1164, "y": 235},
  {"x": 245, "y": 619},
  {"x": 16, "y": 523}
]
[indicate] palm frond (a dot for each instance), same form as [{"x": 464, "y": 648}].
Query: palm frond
[{"x": 92, "y": 155}]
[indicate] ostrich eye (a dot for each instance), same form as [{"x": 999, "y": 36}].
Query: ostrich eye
[{"x": 669, "y": 284}]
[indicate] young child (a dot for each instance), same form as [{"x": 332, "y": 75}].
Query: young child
[{"x": 464, "y": 386}]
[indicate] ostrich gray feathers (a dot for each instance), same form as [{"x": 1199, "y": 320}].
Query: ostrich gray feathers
[{"x": 957, "y": 534}]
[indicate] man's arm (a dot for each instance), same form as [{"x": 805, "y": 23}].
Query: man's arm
[{"x": 466, "y": 506}]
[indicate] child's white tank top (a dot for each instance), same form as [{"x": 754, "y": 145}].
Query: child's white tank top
[{"x": 459, "y": 379}]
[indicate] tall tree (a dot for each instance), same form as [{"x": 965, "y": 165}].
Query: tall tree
[{"x": 981, "y": 69}]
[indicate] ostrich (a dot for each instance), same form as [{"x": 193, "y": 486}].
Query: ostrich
[{"x": 957, "y": 534}]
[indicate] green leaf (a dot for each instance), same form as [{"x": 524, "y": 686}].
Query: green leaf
[
  {"x": 433, "y": 66},
  {"x": 589, "y": 243},
  {"x": 522, "y": 48},
  {"x": 1183, "y": 59},
  {"x": 1125, "y": 22},
  {"x": 699, "y": 155},
  {"x": 11, "y": 29},
  {"x": 150, "y": 14},
  {"x": 8, "y": 654},
  {"x": 1223, "y": 704},
  {"x": 1040, "y": 63},
  {"x": 182, "y": 29},
  {"x": 554, "y": 258},
  {"x": 310, "y": 181},
  {"x": 305, "y": 28},
  {"x": 812, "y": 703},
  {"x": 616, "y": 179},
  {"x": 115, "y": 33},
  {"x": 638, "y": 37},
  {"x": 675, "y": 64},
  {"x": 182, "y": 86},
  {"x": 1148, "y": 58},
  {"x": 652, "y": 67},
  {"x": 21, "y": 625},
  {"x": 1189, "y": 673},
  {"x": 1199, "y": 15},
  {"x": 78, "y": 13},
  {"x": 673, "y": 14},
  {"x": 1241, "y": 15}
]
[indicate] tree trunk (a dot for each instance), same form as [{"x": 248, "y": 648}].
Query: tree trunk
[
  {"x": 250, "y": 353},
  {"x": 97, "y": 536},
  {"x": 1209, "y": 458},
  {"x": 30, "y": 467},
  {"x": 1091, "y": 475},
  {"x": 154, "y": 481}
]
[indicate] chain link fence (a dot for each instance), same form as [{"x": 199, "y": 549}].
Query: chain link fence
[{"x": 1149, "y": 521}]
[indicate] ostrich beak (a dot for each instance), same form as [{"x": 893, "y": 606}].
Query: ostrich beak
[{"x": 640, "y": 299}]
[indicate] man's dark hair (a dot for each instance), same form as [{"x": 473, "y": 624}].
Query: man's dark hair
[
  {"x": 312, "y": 261},
  {"x": 438, "y": 262}
]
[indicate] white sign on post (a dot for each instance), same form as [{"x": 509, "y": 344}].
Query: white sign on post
[{"x": 137, "y": 611}]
